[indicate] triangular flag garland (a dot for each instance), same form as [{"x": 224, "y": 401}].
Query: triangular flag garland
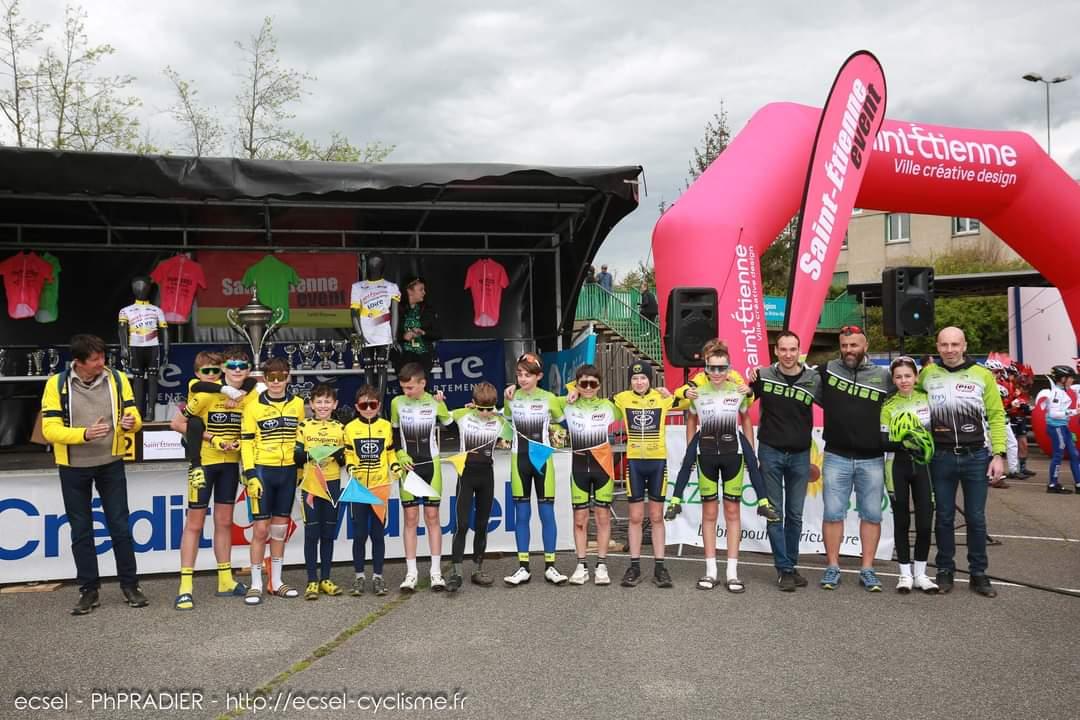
[
  {"x": 539, "y": 454},
  {"x": 602, "y": 455},
  {"x": 415, "y": 486},
  {"x": 357, "y": 493},
  {"x": 314, "y": 483},
  {"x": 458, "y": 461},
  {"x": 319, "y": 453}
]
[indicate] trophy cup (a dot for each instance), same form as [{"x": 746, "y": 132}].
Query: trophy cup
[
  {"x": 290, "y": 352},
  {"x": 255, "y": 322},
  {"x": 339, "y": 350},
  {"x": 357, "y": 343},
  {"x": 307, "y": 350},
  {"x": 36, "y": 363},
  {"x": 3, "y": 359},
  {"x": 54, "y": 360},
  {"x": 324, "y": 354},
  {"x": 270, "y": 345}
]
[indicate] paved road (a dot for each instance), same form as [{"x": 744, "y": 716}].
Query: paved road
[{"x": 593, "y": 652}]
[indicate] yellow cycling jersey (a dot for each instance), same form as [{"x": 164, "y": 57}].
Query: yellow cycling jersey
[
  {"x": 645, "y": 417},
  {"x": 369, "y": 450},
  {"x": 268, "y": 431},
  {"x": 313, "y": 433},
  {"x": 221, "y": 421}
]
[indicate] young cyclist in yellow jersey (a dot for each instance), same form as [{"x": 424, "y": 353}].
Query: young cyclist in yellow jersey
[
  {"x": 267, "y": 445},
  {"x": 371, "y": 457},
  {"x": 211, "y": 422},
  {"x": 314, "y": 436}
]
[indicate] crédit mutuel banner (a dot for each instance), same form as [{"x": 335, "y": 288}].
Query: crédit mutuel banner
[
  {"x": 321, "y": 299},
  {"x": 849, "y": 125}
]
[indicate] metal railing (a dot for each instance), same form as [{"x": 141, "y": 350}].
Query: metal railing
[{"x": 597, "y": 304}]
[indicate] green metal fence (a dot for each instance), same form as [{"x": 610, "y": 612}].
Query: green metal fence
[{"x": 597, "y": 304}]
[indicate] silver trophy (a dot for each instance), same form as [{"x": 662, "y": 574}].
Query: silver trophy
[
  {"x": 290, "y": 352},
  {"x": 54, "y": 360},
  {"x": 339, "y": 351},
  {"x": 307, "y": 351},
  {"x": 270, "y": 345},
  {"x": 324, "y": 354},
  {"x": 255, "y": 323},
  {"x": 357, "y": 343},
  {"x": 35, "y": 364},
  {"x": 3, "y": 359}
]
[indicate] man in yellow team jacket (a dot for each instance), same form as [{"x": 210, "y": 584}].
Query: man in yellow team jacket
[{"x": 87, "y": 412}]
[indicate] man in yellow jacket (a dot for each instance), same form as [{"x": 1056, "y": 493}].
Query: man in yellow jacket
[{"x": 87, "y": 410}]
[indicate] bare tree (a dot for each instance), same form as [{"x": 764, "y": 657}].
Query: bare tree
[
  {"x": 204, "y": 132},
  {"x": 18, "y": 38}
]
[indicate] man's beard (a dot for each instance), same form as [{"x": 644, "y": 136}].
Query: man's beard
[{"x": 853, "y": 360}]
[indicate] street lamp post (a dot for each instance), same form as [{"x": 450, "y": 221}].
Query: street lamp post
[{"x": 1035, "y": 77}]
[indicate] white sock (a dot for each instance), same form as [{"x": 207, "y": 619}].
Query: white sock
[
  {"x": 359, "y": 576},
  {"x": 905, "y": 569},
  {"x": 410, "y": 566},
  {"x": 376, "y": 575},
  {"x": 920, "y": 568},
  {"x": 732, "y": 568},
  {"x": 436, "y": 565},
  {"x": 275, "y": 571},
  {"x": 710, "y": 567},
  {"x": 256, "y": 577}
]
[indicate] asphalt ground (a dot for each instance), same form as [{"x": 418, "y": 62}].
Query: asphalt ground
[{"x": 596, "y": 652}]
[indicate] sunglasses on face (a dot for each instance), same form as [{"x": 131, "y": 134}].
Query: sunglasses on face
[
  {"x": 368, "y": 405},
  {"x": 485, "y": 408},
  {"x": 717, "y": 369},
  {"x": 208, "y": 370},
  {"x": 237, "y": 364},
  {"x": 277, "y": 376},
  {"x": 588, "y": 384},
  {"x": 851, "y": 330}
]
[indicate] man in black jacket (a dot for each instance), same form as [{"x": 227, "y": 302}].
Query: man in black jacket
[{"x": 853, "y": 391}]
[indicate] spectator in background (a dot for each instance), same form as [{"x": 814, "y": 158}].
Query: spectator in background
[
  {"x": 650, "y": 309},
  {"x": 604, "y": 279},
  {"x": 590, "y": 275},
  {"x": 926, "y": 360},
  {"x": 418, "y": 329}
]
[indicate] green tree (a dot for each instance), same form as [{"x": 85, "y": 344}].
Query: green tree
[
  {"x": 633, "y": 279},
  {"x": 715, "y": 141},
  {"x": 204, "y": 132}
]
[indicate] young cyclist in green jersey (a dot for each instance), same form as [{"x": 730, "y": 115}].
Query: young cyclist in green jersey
[
  {"x": 319, "y": 514},
  {"x": 416, "y": 414},
  {"x": 907, "y": 476},
  {"x": 532, "y": 410},
  {"x": 480, "y": 428},
  {"x": 588, "y": 419}
]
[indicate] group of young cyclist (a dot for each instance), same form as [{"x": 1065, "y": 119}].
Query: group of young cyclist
[{"x": 260, "y": 435}]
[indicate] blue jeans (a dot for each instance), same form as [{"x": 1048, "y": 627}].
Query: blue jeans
[
  {"x": 866, "y": 475},
  {"x": 786, "y": 476},
  {"x": 1061, "y": 442},
  {"x": 76, "y": 485},
  {"x": 947, "y": 471}
]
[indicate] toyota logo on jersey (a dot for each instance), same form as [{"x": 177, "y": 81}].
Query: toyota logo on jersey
[
  {"x": 270, "y": 424},
  {"x": 642, "y": 419},
  {"x": 219, "y": 417},
  {"x": 369, "y": 448}
]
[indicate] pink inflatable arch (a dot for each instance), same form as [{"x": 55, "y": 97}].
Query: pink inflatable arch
[{"x": 751, "y": 191}]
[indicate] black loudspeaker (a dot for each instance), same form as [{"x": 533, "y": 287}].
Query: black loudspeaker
[
  {"x": 907, "y": 301},
  {"x": 692, "y": 321}
]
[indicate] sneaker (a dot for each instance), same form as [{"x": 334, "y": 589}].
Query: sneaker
[
  {"x": 831, "y": 579},
  {"x": 869, "y": 580},
  {"x": 632, "y": 577},
  {"x": 580, "y": 576},
  {"x": 455, "y": 583},
  {"x": 378, "y": 585},
  {"x": 134, "y": 597},
  {"x": 601, "y": 577},
  {"x": 357, "y": 586},
  {"x": 768, "y": 512},
  {"x": 520, "y": 577},
  {"x": 800, "y": 581},
  {"x": 1058, "y": 490},
  {"x": 661, "y": 578},
  {"x": 924, "y": 583},
  {"x": 904, "y": 584},
  {"x": 786, "y": 582},
  {"x": 437, "y": 582},
  {"x": 944, "y": 581},
  {"x": 1000, "y": 483},
  {"x": 1028, "y": 473},
  {"x": 981, "y": 584},
  {"x": 311, "y": 592},
  {"x": 409, "y": 583},
  {"x": 553, "y": 576},
  {"x": 329, "y": 587},
  {"x": 481, "y": 578},
  {"x": 88, "y": 600}
]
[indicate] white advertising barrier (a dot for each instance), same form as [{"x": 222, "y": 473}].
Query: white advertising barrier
[
  {"x": 35, "y": 538},
  {"x": 686, "y": 528}
]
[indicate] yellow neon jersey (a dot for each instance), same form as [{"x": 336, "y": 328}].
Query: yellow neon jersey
[{"x": 268, "y": 431}]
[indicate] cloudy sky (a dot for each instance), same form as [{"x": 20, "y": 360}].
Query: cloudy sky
[{"x": 597, "y": 83}]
